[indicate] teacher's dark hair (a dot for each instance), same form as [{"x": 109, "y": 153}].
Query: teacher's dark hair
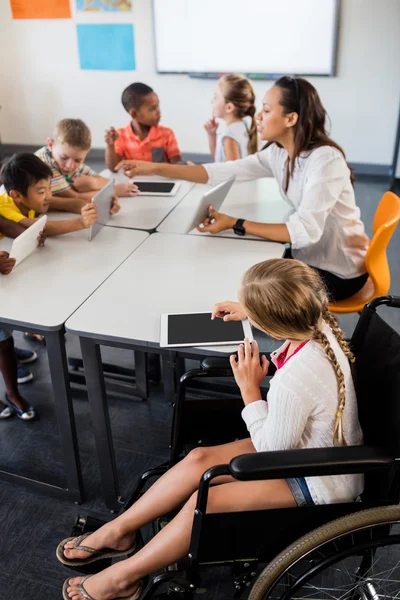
[{"x": 299, "y": 96}]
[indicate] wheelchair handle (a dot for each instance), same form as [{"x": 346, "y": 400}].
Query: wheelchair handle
[{"x": 392, "y": 301}]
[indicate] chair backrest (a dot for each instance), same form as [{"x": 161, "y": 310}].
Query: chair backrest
[
  {"x": 377, "y": 379},
  {"x": 386, "y": 218}
]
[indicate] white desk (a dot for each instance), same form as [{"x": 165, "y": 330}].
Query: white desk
[
  {"x": 39, "y": 296},
  {"x": 167, "y": 273},
  {"x": 258, "y": 200},
  {"x": 144, "y": 212},
  {"x": 45, "y": 289}
]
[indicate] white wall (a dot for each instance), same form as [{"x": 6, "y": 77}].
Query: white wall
[{"x": 41, "y": 82}]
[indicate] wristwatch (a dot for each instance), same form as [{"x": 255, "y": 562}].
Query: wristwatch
[{"x": 238, "y": 227}]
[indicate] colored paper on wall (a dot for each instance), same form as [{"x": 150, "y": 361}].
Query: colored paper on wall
[
  {"x": 104, "y": 5},
  {"x": 106, "y": 47},
  {"x": 40, "y": 9}
]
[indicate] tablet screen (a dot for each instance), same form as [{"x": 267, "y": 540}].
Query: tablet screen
[
  {"x": 156, "y": 187},
  {"x": 199, "y": 329}
]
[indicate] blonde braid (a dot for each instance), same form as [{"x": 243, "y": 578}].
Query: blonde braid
[
  {"x": 331, "y": 320},
  {"x": 322, "y": 340}
]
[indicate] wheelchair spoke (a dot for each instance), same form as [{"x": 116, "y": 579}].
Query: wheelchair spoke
[{"x": 361, "y": 565}]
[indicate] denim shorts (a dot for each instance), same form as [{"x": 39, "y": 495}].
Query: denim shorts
[
  {"x": 5, "y": 334},
  {"x": 301, "y": 493}
]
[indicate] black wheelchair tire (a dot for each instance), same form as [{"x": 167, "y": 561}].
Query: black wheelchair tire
[{"x": 279, "y": 566}]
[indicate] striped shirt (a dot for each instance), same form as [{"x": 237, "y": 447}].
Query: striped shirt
[
  {"x": 159, "y": 145},
  {"x": 60, "y": 182}
]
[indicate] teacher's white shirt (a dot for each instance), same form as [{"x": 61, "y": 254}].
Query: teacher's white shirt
[{"x": 325, "y": 227}]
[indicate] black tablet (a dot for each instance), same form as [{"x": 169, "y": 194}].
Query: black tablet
[
  {"x": 197, "y": 329},
  {"x": 157, "y": 188}
]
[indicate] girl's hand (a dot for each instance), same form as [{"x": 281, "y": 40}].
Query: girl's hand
[
  {"x": 211, "y": 127},
  {"x": 126, "y": 189},
  {"x": 235, "y": 311},
  {"x": 115, "y": 206},
  {"x": 88, "y": 215},
  {"x": 111, "y": 136},
  {"x": 132, "y": 168},
  {"x": 6, "y": 263},
  {"x": 216, "y": 222},
  {"x": 248, "y": 371}
]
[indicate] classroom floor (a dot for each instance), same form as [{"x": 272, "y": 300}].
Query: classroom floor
[{"x": 31, "y": 525}]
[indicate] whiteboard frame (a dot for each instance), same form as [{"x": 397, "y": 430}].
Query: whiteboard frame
[{"x": 257, "y": 76}]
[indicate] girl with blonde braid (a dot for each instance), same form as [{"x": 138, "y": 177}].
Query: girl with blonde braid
[
  {"x": 311, "y": 403},
  {"x": 234, "y": 136}
]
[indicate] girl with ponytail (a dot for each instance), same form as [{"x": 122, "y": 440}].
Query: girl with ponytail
[{"x": 233, "y": 103}]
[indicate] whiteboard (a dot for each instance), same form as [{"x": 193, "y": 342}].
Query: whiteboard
[{"x": 261, "y": 38}]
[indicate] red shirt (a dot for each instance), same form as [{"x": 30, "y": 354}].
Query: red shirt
[{"x": 159, "y": 145}]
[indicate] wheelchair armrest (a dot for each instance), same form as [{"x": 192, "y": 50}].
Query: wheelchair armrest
[
  {"x": 308, "y": 462},
  {"x": 217, "y": 366},
  {"x": 221, "y": 367}
]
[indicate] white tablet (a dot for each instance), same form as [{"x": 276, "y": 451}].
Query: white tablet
[
  {"x": 26, "y": 243},
  {"x": 104, "y": 201},
  {"x": 157, "y": 188},
  {"x": 215, "y": 196},
  {"x": 197, "y": 329}
]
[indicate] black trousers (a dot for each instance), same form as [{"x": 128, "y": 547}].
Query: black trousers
[{"x": 338, "y": 288}]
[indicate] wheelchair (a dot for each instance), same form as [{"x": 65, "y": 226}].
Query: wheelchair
[{"x": 346, "y": 551}]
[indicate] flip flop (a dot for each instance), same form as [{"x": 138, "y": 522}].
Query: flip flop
[
  {"x": 135, "y": 596},
  {"x": 95, "y": 554},
  {"x": 35, "y": 337}
]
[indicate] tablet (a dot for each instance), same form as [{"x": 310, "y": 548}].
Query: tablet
[
  {"x": 215, "y": 196},
  {"x": 197, "y": 329},
  {"x": 104, "y": 201},
  {"x": 26, "y": 243},
  {"x": 157, "y": 188}
]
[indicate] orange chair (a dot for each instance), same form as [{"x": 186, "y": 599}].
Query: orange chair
[{"x": 386, "y": 217}]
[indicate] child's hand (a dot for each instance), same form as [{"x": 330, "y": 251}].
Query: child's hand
[
  {"x": 235, "y": 311},
  {"x": 126, "y": 189},
  {"x": 82, "y": 183},
  {"x": 42, "y": 237},
  {"x": 131, "y": 168},
  {"x": 211, "y": 127},
  {"x": 248, "y": 371},
  {"x": 6, "y": 263},
  {"x": 115, "y": 206},
  {"x": 88, "y": 215},
  {"x": 111, "y": 136},
  {"x": 216, "y": 222}
]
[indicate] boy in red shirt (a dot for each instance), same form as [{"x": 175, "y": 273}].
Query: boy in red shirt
[{"x": 143, "y": 138}]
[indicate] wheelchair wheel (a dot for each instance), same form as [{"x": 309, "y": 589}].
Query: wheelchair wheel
[{"x": 356, "y": 557}]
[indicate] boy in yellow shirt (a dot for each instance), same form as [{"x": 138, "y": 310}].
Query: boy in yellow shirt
[
  {"x": 28, "y": 194},
  {"x": 73, "y": 183}
]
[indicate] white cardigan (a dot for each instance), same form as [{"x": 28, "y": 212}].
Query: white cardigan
[
  {"x": 325, "y": 227},
  {"x": 300, "y": 412}
]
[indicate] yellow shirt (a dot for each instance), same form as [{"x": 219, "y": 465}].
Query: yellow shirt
[{"x": 9, "y": 210}]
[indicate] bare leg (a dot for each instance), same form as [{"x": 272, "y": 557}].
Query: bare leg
[
  {"x": 172, "y": 542},
  {"x": 168, "y": 492},
  {"x": 8, "y": 367}
]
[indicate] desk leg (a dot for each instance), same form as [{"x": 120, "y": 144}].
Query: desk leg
[
  {"x": 55, "y": 344},
  {"x": 141, "y": 375},
  {"x": 168, "y": 376},
  {"x": 101, "y": 421}
]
